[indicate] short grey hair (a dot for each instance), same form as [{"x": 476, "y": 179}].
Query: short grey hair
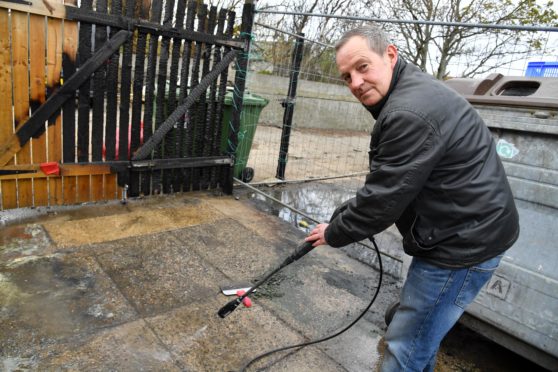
[{"x": 377, "y": 39}]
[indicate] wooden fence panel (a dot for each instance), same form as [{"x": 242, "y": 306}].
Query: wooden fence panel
[
  {"x": 149, "y": 95},
  {"x": 136, "y": 131},
  {"x": 185, "y": 131},
  {"x": 84, "y": 109},
  {"x": 37, "y": 91},
  {"x": 98, "y": 116},
  {"x": 20, "y": 68},
  {"x": 170, "y": 181},
  {"x": 94, "y": 85},
  {"x": 8, "y": 188},
  {"x": 69, "y": 67},
  {"x": 54, "y": 129}
]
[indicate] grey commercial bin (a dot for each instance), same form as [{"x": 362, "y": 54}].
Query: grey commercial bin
[{"x": 518, "y": 308}]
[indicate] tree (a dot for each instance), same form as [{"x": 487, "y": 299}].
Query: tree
[
  {"x": 276, "y": 46},
  {"x": 478, "y": 49}
]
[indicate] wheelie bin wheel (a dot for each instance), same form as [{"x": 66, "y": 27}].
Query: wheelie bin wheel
[{"x": 247, "y": 174}]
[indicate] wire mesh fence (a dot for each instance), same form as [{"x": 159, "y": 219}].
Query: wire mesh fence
[{"x": 330, "y": 131}]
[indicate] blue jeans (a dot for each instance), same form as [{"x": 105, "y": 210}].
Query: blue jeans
[{"x": 432, "y": 300}]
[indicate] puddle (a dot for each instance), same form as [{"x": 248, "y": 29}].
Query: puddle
[
  {"x": 91, "y": 210},
  {"x": 317, "y": 201},
  {"x": 9, "y": 364},
  {"x": 31, "y": 215},
  {"x": 21, "y": 241},
  {"x": 14, "y": 234},
  {"x": 47, "y": 299}
]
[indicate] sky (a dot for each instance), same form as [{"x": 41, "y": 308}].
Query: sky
[{"x": 515, "y": 68}]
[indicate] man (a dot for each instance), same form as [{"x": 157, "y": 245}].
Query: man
[{"x": 435, "y": 173}]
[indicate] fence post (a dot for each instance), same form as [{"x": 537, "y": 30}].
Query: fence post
[
  {"x": 239, "y": 86},
  {"x": 288, "y": 104}
]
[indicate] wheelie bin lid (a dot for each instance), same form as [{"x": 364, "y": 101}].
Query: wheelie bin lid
[{"x": 250, "y": 99}]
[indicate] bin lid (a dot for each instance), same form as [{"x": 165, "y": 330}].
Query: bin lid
[
  {"x": 514, "y": 91},
  {"x": 250, "y": 99}
]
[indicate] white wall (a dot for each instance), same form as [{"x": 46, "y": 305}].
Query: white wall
[{"x": 318, "y": 105}]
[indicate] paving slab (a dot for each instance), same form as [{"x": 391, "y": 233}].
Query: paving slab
[
  {"x": 237, "y": 251},
  {"x": 55, "y": 299},
  {"x": 205, "y": 342},
  {"x": 137, "y": 287},
  {"x": 132, "y": 346},
  {"x": 157, "y": 272}
]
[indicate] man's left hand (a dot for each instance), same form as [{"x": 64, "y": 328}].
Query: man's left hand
[{"x": 317, "y": 235}]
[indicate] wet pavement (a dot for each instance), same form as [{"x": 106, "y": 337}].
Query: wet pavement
[
  {"x": 461, "y": 350},
  {"x": 137, "y": 287}
]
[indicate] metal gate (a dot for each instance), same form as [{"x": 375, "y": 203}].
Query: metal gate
[{"x": 113, "y": 96}]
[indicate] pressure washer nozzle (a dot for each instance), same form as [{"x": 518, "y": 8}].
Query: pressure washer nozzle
[
  {"x": 303, "y": 223},
  {"x": 246, "y": 301}
]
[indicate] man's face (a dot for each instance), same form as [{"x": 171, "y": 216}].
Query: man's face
[{"x": 367, "y": 73}]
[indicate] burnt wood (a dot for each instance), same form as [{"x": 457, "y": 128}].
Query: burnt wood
[{"x": 67, "y": 91}]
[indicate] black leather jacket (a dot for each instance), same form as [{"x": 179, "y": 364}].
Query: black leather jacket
[{"x": 435, "y": 173}]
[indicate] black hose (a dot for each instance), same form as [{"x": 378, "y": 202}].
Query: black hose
[{"x": 304, "y": 344}]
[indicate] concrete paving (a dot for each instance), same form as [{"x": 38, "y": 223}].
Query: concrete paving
[{"x": 136, "y": 287}]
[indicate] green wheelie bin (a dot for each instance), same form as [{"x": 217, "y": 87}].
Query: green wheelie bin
[{"x": 252, "y": 106}]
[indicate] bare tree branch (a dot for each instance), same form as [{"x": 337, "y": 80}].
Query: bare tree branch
[{"x": 436, "y": 47}]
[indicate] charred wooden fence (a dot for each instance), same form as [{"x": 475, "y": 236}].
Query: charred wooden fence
[{"x": 114, "y": 96}]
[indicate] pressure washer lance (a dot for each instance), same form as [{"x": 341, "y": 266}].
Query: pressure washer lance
[{"x": 300, "y": 251}]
